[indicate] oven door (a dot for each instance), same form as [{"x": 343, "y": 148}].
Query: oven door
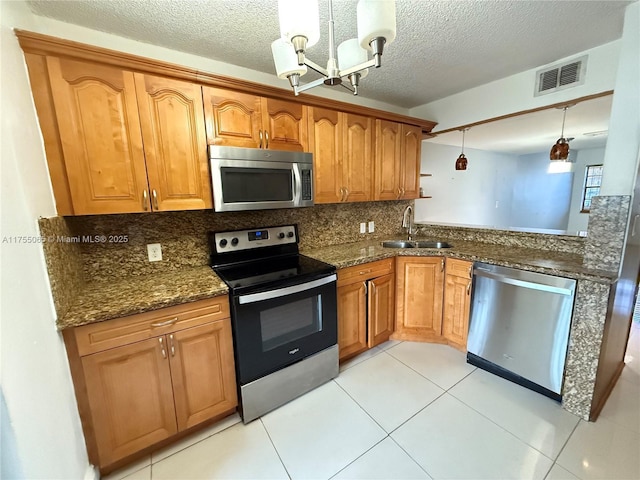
[{"x": 276, "y": 328}]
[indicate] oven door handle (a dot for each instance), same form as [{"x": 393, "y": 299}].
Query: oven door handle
[{"x": 282, "y": 292}]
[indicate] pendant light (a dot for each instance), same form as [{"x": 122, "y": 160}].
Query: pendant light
[
  {"x": 560, "y": 149},
  {"x": 461, "y": 162}
]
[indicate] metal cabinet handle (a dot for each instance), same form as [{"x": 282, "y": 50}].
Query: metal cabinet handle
[
  {"x": 260, "y": 146},
  {"x": 154, "y": 194},
  {"x": 342, "y": 194},
  {"x": 362, "y": 272},
  {"x": 470, "y": 270},
  {"x": 162, "y": 350},
  {"x": 366, "y": 288},
  {"x": 469, "y": 288},
  {"x": 165, "y": 323},
  {"x": 402, "y": 191},
  {"x": 266, "y": 136},
  {"x": 346, "y": 193},
  {"x": 171, "y": 346},
  {"x": 145, "y": 203},
  {"x": 442, "y": 264}
]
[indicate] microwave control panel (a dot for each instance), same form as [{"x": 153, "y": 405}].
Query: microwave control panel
[{"x": 307, "y": 190}]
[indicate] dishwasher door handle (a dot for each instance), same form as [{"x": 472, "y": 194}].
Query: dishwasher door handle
[{"x": 522, "y": 283}]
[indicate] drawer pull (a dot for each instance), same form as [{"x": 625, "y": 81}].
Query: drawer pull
[
  {"x": 362, "y": 272},
  {"x": 165, "y": 323}
]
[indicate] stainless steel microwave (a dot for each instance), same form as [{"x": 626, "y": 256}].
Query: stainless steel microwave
[{"x": 255, "y": 179}]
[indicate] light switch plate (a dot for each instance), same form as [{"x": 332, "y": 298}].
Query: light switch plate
[
  {"x": 372, "y": 226},
  {"x": 363, "y": 227},
  {"x": 154, "y": 250}
]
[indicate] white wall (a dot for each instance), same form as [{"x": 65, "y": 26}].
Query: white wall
[
  {"x": 43, "y": 423},
  {"x": 541, "y": 199},
  {"x": 68, "y": 31},
  {"x": 466, "y": 197},
  {"x": 623, "y": 142},
  {"x": 591, "y": 156},
  {"x": 515, "y": 93}
]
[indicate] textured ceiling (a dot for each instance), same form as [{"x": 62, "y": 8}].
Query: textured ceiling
[
  {"x": 442, "y": 47},
  {"x": 536, "y": 132}
]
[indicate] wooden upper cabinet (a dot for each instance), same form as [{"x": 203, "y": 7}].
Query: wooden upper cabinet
[
  {"x": 236, "y": 119},
  {"x": 357, "y": 157},
  {"x": 173, "y": 133},
  {"x": 233, "y": 119},
  {"x": 129, "y": 390},
  {"x": 285, "y": 125},
  {"x": 397, "y": 161},
  {"x": 202, "y": 371},
  {"x": 325, "y": 141},
  {"x": 410, "y": 155},
  {"x": 342, "y": 147},
  {"x": 387, "y": 160},
  {"x": 99, "y": 128},
  {"x": 419, "y": 289}
]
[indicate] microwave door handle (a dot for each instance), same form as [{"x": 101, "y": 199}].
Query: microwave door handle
[
  {"x": 297, "y": 185},
  {"x": 282, "y": 292}
]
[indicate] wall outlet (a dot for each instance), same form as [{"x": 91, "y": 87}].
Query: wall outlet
[
  {"x": 372, "y": 226},
  {"x": 363, "y": 227},
  {"x": 154, "y": 250}
]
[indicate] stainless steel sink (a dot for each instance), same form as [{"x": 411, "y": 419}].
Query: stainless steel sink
[
  {"x": 415, "y": 244},
  {"x": 431, "y": 244},
  {"x": 398, "y": 244}
]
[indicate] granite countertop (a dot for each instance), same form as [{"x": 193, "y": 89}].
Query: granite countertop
[
  {"x": 541, "y": 261},
  {"x": 100, "y": 301}
]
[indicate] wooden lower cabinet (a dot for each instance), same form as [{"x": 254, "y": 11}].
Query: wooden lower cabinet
[
  {"x": 138, "y": 394},
  {"x": 419, "y": 288},
  {"x": 457, "y": 302},
  {"x": 366, "y": 306}
]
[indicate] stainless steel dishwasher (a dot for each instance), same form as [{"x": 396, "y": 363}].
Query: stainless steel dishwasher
[{"x": 519, "y": 326}]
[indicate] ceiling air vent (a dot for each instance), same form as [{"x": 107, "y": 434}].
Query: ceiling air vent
[{"x": 559, "y": 77}]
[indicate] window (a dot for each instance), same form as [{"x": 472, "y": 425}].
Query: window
[{"x": 593, "y": 179}]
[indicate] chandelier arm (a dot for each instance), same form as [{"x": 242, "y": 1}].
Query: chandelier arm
[
  {"x": 308, "y": 86},
  {"x": 357, "y": 68},
  {"x": 347, "y": 87},
  {"x": 316, "y": 67}
]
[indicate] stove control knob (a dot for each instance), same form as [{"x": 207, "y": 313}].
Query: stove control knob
[
  {"x": 290, "y": 234},
  {"x": 223, "y": 243},
  {"x": 281, "y": 235},
  {"x": 234, "y": 241}
]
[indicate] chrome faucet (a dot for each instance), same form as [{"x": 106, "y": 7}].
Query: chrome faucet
[{"x": 407, "y": 221}]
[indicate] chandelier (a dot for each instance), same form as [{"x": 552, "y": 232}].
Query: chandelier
[{"x": 300, "y": 29}]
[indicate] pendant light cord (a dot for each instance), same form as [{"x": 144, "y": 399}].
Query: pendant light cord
[
  {"x": 564, "y": 117},
  {"x": 463, "y": 132}
]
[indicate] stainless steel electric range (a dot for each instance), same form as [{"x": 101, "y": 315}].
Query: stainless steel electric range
[{"x": 283, "y": 312}]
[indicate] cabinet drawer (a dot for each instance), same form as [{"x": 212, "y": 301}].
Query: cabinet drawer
[
  {"x": 365, "y": 271},
  {"x": 122, "y": 331},
  {"x": 459, "y": 268}
]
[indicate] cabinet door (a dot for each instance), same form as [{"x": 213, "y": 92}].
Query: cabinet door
[
  {"x": 285, "y": 125},
  {"x": 130, "y": 397},
  {"x": 233, "y": 119},
  {"x": 172, "y": 121},
  {"x": 419, "y": 286},
  {"x": 326, "y": 145},
  {"x": 455, "y": 321},
  {"x": 99, "y": 129},
  {"x": 203, "y": 373},
  {"x": 357, "y": 157},
  {"x": 457, "y": 302},
  {"x": 387, "y": 161},
  {"x": 411, "y": 143},
  {"x": 352, "y": 319},
  {"x": 382, "y": 309}
]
